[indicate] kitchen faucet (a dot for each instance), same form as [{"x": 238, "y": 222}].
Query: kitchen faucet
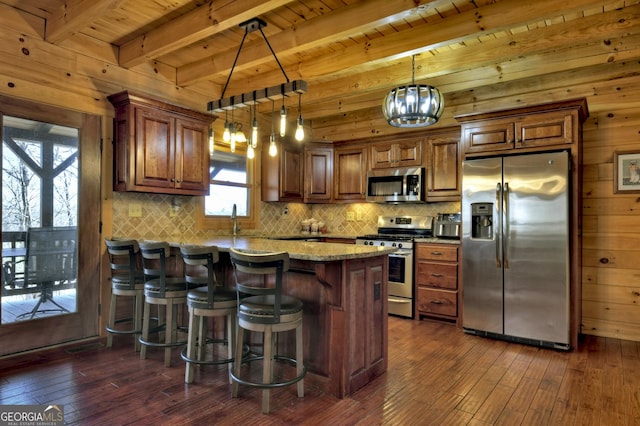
[{"x": 234, "y": 219}]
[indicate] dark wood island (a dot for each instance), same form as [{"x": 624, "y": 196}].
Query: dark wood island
[{"x": 343, "y": 288}]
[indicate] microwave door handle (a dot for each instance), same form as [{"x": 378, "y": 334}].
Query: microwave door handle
[{"x": 496, "y": 229}]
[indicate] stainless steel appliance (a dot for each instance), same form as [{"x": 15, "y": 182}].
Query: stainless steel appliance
[
  {"x": 399, "y": 232},
  {"x": 448, "y": 225},
  {"x": 515, "y": 248},
  {"x": 399, "y": 185}
]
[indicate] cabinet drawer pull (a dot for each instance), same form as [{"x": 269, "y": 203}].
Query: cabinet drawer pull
[
  {"x": 436, "y": 253},
  {"x": 437, "y": 275},
  {"x": 436, "y": 302}
]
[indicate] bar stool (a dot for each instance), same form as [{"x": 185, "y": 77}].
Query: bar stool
[
  {"x": 206, "y": 301},
  {"x": 161, "y": 290},
  {"x": 269, "y": 311},
  {"x": 127, "y": 280}
]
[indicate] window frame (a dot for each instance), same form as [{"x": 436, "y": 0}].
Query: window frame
[{"x": 251, "y": 221}]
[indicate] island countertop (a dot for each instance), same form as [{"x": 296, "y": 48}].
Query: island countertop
[{"x": 300, "y": 250}]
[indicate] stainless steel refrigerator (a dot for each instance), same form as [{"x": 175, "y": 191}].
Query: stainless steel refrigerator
[{"x": 515, "y": 248}]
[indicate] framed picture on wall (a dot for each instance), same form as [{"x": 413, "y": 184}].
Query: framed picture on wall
[{"x": 626, "y": 172}]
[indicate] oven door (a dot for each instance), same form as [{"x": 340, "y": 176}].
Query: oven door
[{"x": 401, "y": 283}]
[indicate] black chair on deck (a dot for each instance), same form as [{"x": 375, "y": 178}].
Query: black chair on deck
[
  {"x": 266, "y": 310},
  {"x": 50, "y": 265}
]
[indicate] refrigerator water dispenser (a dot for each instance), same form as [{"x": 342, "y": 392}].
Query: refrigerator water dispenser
[{"x": 482, "y": 221}]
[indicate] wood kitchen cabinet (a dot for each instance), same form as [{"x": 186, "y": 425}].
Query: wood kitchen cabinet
[
  {"x": 436, "y": 280},
  {"x": 396, "y": 153},
  {"x": 443, "y": 166},
  {"x": 318, "y": 173},
  {"x": 350, "y": 173},
  {"x": 529, "y": 128},
  {"x": 282, "y": 175},
  {"x": 159, "y": 147}
]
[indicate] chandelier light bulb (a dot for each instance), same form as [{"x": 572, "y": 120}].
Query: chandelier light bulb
[
  {"x": 250, "y": 152},
  {"x": 283, "y": 120},
  {"x": 273, "y": 149},
  {"x": 226, "y": 136},
  {"x": 254, "y": 133},
  {"x": 299, "y": 130},
  {"x": 211, "y": 143}
]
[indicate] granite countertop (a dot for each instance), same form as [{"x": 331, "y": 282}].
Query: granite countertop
[
  {"x": 300, "y": 250},
  {"x": 437, "y": 240}
]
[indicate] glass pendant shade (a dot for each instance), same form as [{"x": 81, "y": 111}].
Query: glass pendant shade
[{"x": 415, "y": 105}]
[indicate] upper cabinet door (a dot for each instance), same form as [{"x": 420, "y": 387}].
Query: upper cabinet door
[
  {"x": 404, "y": 153},
  {"x": 350, "y": 173},
  {"x": 318, "y": 174},
  {"x": 443, "y": 169},
  {"x": 191, "y": 155},
  {"x": 490, "y": 135},
  {"x": 154, "y": 149},
  {"x": 282, "y": 174}
]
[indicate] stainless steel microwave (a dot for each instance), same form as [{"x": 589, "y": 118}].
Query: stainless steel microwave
[{"x": 400, "y": 185}]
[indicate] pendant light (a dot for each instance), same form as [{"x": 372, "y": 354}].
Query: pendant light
[
  {"x": 253, "y": 139},
  {"x": 283, "y": 118},
  {"x": 414, "y": 105},
  {"x": 299, "y": 135},
  {"x": 232, "y": 130},
  {"x": 273, "y": 149}
]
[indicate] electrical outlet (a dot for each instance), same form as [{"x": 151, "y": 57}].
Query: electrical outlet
[
  {"x": 135, "y": 210},
  {"x": 173, "y": 211},
  {"x": 359, "y": 216},
  {"x": 330, "y": 216},
  {"x": 351, "y": 216}
]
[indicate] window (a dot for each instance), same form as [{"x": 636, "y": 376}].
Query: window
[{"x": 231, "y": 177}]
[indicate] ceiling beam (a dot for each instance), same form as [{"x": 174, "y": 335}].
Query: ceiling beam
[
  {"x": 331, "y": 27},
  {"x": 76, "y": 15},
  {"x": 200, "y": 23},
  {"x": 475, "y": 23},
  {"x": 601, "y": 34}
]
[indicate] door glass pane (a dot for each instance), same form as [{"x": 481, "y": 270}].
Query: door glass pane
[{"x": 39, "y": 219}]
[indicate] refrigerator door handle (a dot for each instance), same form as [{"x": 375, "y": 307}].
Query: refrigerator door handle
[
  {"x": 505, "y": 233},
  {"x": 497, "y": 229}
]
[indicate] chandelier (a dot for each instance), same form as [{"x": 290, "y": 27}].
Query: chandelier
[
  {"x": 233, "y": 130},
  {"x": 414, "y": 105}
]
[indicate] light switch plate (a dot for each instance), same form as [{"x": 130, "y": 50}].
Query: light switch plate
[{"x": 351, "y": 216}]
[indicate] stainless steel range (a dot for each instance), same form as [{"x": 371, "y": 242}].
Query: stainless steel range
[{"x": 399, "y": 232}]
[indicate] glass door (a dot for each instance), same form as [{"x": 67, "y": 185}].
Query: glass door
[{"x": 46, "y": 297}]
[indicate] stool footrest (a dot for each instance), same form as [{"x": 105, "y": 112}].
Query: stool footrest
[
  {"x": 161, "y": 345},
  {"x": 290, "y": 360}
]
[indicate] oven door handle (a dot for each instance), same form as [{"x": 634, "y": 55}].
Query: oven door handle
[{"x": 400, "y": 254}]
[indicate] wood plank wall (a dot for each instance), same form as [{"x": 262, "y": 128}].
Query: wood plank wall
[{"x": 33, "y": 69}]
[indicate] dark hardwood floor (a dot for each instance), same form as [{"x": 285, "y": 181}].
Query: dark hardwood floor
[{"x": 437, "y": 375}]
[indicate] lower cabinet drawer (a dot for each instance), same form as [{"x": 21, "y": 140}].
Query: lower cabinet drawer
[
  {"x": 437, "y": 275},
  {"x": 441, "y": 302}
]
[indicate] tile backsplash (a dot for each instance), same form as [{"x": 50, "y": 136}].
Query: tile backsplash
[{"x": 172, "y": 217}]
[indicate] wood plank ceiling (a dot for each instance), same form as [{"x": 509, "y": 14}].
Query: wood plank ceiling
[{"x": 350, "y": 52}]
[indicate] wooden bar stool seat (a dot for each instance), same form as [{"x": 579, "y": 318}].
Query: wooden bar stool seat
[{"x": 266, "y": 310}]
